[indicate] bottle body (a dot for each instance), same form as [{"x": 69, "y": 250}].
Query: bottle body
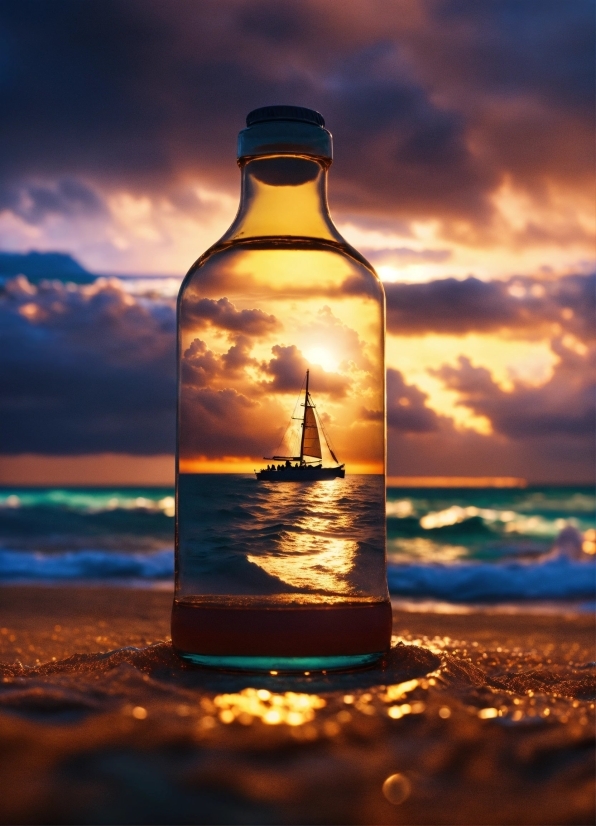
[{"x": 280, "y": 527}]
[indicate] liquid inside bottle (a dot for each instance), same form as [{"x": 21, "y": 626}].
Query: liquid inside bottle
[{"x": 280, "y": 524}]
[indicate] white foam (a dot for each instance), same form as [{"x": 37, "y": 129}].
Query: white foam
[{"x": 550, "y": 579}]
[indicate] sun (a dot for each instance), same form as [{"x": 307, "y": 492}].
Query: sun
[{"x": 323, "y": 357}]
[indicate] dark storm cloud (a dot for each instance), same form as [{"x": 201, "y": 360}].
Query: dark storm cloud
[
  {"x": 507, "y": 43},
  {"x": 34, "y": 203},
  {"x": 518, "y": 304},
  {"x": 522, "y": 70},
  {"x": 431, "y": 107},
  {"x": 563, "y": 406},
  {"x": 223, "y": 314},
  {"x": 85, "y": 370}
]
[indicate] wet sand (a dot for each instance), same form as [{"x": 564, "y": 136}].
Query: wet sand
[{"x": 484, "y": 718}]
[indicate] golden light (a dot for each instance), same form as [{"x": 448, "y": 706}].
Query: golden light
[
  {"x": 311, "y": 561},
  {"x": 290, "y": 708},
  {"x": 399, "y": 690},
  {"x": 323, "y": 357},
  {"x": 589, "y": 543},
  {"x": 29, "y": 311}
]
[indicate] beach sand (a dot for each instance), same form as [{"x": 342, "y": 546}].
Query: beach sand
[{"x": 479, "y": 718}]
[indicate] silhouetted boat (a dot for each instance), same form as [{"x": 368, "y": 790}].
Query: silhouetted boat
[{"x": 308, "y": 466}]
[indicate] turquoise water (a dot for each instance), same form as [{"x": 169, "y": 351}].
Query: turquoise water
[
  {"x": 449, "y": 524},
  {"x": 453, "y": 544},
  {"x": 267, "y": 664}
]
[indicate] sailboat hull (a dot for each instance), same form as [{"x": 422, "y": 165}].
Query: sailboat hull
[{"x": 301, "y": 474}]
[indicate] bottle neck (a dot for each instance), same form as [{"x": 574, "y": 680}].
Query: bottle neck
[{"x": 283, "y": 195}]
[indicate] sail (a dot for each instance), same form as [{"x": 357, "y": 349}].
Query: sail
[{"x": 312, "y": 443}]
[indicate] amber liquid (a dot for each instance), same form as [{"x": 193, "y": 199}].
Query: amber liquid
[{"x": 255, "y": 628}]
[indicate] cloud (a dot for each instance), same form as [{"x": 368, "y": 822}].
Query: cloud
[
  {"x": 432, "y": 107},
  {"x": 524, "y": 305},
  {"x": 223, "y": 410},
  {"x": 91, "y": 369},
  {"x": 288, "y": 368},
  {"x": 202, "y": 367},
  {"x": 238, "y": 357},
  {"x": 85, "y": 369},
  {"x": 563, "y": 406},
  {"x": 545, "y": 433},
  {"x": 34, "y": 203},
  {"x": 401, "y": 256},
  {"x": 407, "y": 411},
  {"x": 328, "y": 334},
  {"x": 224, "y": 422},
  {"x": 224, "y": 315},
  {"x": 450, "y": 452},
  {"x": 199, "y": 365}
]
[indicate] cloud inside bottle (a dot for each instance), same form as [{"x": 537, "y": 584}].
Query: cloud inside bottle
[
  {"x": 222, "y": 313},
  {"x": 287, "y": 370}
]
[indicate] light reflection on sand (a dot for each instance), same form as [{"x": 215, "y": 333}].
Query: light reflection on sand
[{"x": 290, "y": 708}]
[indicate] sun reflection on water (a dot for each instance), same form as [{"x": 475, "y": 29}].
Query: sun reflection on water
[
  {"x": 312, "y": 556},
  {"x": 311, "y": 562}
]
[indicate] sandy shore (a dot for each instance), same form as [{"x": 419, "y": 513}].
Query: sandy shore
[{"x": 483, "y": 719}]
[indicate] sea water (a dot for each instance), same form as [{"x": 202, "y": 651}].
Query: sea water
[
  {"x": 287, "y": 573},
  {"x": 456, "y": 546}
]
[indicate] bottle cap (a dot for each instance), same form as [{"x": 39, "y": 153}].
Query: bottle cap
[
  {"x": 285, "y": 130},
  {"x": 298, "y": 113}
]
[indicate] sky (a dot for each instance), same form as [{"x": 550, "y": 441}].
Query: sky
[{"x": 463, "y": 170}]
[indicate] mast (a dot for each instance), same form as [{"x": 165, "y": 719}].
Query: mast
[{"x": 304, "y": 419}]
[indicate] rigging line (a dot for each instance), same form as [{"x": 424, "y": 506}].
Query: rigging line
[
  {"x": 327, "y": 439},
  {"x": 291, "y": 418}
]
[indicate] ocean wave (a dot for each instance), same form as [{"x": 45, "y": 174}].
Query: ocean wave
[
  {"x": 558, "y": 578},
  {"x": 549, "y": 579},
  {"x": 88, "y": 502},
  {"x": 85, "y": 564}
]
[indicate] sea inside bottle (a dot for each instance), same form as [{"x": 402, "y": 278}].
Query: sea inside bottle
[{"x": 280, "y": 480}]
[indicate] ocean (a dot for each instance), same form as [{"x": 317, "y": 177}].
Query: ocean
[{"x": 447, "y": 547}]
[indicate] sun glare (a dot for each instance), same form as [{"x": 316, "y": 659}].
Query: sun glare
[{"x": 323, "y": 357}]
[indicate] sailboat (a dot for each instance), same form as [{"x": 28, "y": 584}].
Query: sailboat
[{"x": 308, "y": 466}]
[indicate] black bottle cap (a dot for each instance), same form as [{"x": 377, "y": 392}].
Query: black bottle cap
[{"x": 297, "y": 113}]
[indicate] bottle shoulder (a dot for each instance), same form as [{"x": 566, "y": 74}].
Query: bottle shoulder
[{"x": 220, "y": 253}]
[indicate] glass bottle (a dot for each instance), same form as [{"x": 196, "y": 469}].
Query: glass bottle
[{"x": 280, "y": 561}]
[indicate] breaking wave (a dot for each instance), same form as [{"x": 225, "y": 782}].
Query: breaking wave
[
  {"x": 557, "y": 578},
  {"x": 86, "y": 564},
  {"x": 550, "y": 579}
]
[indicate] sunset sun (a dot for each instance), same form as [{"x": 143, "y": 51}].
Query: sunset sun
[{"x": 322, "y": 356}]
